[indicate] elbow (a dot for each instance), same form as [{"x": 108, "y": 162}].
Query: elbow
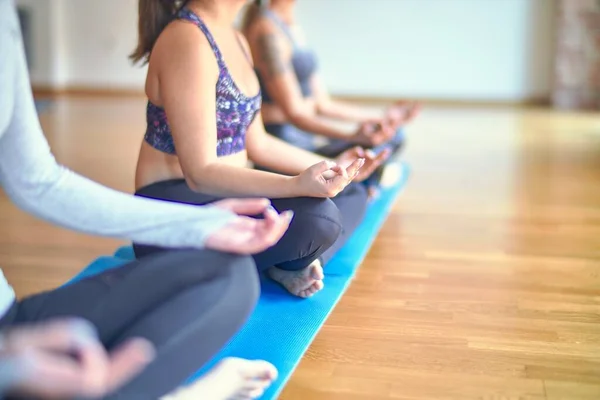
[
  {"x": 194, "y": 184},
  {"x": 255, "y": 153},
  {"x": 322, "y": 107},
  {"x": 198, "y": 179},
  {"x": 198, "y": 184},
  {"x": 296, "y": 115}
]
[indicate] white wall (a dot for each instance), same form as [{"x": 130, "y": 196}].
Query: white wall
[
  {"x": 84, "y": 43},
  {"x": 49, "y": 59},
  {"x": 455, "y": 49},
  {"x": 458, "y": 49},
  {"x": 100, "y": 35}
]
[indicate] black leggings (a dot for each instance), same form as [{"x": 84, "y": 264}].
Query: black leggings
[
  {"x": 187, "y": 303},
  {"x": 319, "y": 229}
]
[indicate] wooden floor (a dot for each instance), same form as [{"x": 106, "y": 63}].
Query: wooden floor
[{"x": 483, "y": 284}]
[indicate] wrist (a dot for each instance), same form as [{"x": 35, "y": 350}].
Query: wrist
[
  {"x": 333, "y": 132},
  {"x": 292, "y": 187}
]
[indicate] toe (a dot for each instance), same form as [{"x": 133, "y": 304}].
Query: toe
[
  {"x": 262, "y": 371},
  {"x": 317, "y": 272},
  {"x": 318, "y": 285},
  {"x": 256, "y": 393},
  {"x": 310, "y": 291},
  {"x": 256, "y": 372}
]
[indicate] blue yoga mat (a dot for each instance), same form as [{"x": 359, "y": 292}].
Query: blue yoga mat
[
  {"x": 282, "y": 327},
  {"x": 42, "y": 105}
]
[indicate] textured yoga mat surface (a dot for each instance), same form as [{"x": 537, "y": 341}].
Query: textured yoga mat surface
[{"x": 282, "y": 326}]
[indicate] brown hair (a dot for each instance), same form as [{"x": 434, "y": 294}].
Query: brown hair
[
  {"x": 153, "y": 18},
  {"x": 252, "y": 11}
]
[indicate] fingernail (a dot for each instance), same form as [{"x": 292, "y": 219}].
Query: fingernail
[
  {"x": 272, "y": 209},
  {"x": 84, "y": 332},
  {"x": 83, "y": 327},
  {"x": 289, "y": 214},
  {"x": 147, "y": 348}
]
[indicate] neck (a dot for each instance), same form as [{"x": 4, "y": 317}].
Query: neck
[
  {"x": 221, "y": 12},
  {"x": 284, "y": 9}
]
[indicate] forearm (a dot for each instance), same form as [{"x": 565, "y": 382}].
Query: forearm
[
  {"x": 314, "y": 124},
  {"x": 277, "y": 155},
  {"x": 219, "y": 179},
  {"x": 64, "y": 198},
  {"x": 31, "y": 177},
  {"x": 347, "y": 111}
]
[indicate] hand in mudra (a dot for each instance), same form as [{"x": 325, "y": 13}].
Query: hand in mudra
[
  {"x": 402, "y": 113},
  {"x": 64, "y": 358},
  {"x": 327, "y": 179},
  {"x": 373, "y": 133},
  {"x": 247, "y": 235},
  {"x": 371, "y": 163}
]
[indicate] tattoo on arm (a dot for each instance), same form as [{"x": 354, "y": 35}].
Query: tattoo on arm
[{"x": 270, "y": 55}]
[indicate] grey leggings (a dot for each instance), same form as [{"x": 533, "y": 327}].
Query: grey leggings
[{"x": 187, "y": 303}]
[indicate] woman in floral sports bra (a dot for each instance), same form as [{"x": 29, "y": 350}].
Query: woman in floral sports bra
[{"x": 204, "y": 125}]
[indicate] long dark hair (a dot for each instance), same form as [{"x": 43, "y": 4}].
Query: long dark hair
[{"x": 153, "y": 18}]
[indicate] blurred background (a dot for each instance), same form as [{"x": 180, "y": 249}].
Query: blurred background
[
  {"x": 484, "y": 283},
  {"x": 463, "y": 50}
]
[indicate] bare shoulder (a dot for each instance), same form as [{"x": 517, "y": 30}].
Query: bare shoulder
[
  {"x": 182, "y": 43},
  {"x": 262, "y": 26}
]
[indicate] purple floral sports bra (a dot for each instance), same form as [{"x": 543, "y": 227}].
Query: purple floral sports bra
[{"x": 235, "y": 111}]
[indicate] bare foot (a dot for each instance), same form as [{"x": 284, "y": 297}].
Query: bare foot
[
  {"x": 303, "y": 283},
  {"x": 231, "y": 379}
]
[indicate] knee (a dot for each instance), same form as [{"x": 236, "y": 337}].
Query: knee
[
  {"x": 318, "y": 220},
  {"x": 232, "y": 273},
  {"x": 237, "y": 274},
  {"x": 357, "y": 194}
]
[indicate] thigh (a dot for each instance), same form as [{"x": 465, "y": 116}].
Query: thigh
[
  {"x": 334, "y": 148},
  {"x": 176, "y": 191},
  {"x": 114, "y": 299},
  {"x": 292, "y": 135},
  {"x": 191, "y": 327},
  {"x": 314, "y": 229}
]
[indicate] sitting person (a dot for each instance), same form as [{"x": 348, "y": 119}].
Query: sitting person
[
  {"x": 138, "y": 331},
  {"x": 296, "y": 104},
  {"x": 204, "y": 125}
]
